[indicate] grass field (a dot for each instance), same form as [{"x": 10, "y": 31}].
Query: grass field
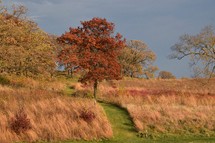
[
  {"x": 33, "y": 111},
  {"x": 166, "y": 107},
  {"x": 132, "y": 110},
  {"x": 124, "y": 131}
]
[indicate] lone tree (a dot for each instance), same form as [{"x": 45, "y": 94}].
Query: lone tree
[
  {"x": 201, "y": 50},
  {"x": 94, "y": 49}
]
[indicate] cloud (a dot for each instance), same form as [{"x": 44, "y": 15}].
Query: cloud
[{"x": 40, "y": 1}]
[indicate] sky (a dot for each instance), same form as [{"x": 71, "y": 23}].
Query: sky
[{"x": 158, "y": 23}]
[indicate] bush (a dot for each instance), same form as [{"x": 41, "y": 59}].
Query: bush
[
  {"x": 87, "y": 115},
  {"x": 4, "y": 80},
  {"x": 20, "y": 123},
  {"x": 166, "y": 75}
]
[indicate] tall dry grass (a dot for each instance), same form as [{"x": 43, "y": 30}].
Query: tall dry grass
[
  {"x": 54, "y": 84},
  {"x": 180, "y": 106},
  {"x": 52, "y": 117}
]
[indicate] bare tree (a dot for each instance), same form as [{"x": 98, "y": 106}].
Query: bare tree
[{"x": 201, "y": 50}]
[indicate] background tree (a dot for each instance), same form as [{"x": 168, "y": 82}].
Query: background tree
[
  {"x": 94, "y": 49},
  {"x": 150, "y": 71},
  {"x": 137, "y": 60},
  {"x": 201, "y": 50},
  {"x": 166, "y": 75},
  {"x": 66, "y": 60},
  {"x": 24, "y": 48}
]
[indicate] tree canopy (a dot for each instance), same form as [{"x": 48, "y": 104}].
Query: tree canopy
[
  {"x": 25, "y": 49},
  {"x": 137, "y": 60},
  {"x": 94, "y": 49},
  {"x": 166, "y": 75}
]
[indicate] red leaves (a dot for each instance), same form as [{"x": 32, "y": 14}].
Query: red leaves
[
  {"x": 94, "y": 48},
  {"x": 87, "y": 115},
  {"x": 20, "y": 123}
]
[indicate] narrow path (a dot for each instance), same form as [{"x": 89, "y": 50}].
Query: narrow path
[{"x": 122, "y": 125}]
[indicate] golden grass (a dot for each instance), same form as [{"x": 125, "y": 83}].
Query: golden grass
[
  {"x": 41, "y": 84},
  {"x": 53, "y": 116},
  {"x": 179, "y": 106}
]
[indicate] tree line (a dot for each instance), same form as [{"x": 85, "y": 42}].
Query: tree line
[{"x": 92, "y": 50}]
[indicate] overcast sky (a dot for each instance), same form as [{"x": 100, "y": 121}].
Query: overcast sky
[{"x": 159, "y": 23}]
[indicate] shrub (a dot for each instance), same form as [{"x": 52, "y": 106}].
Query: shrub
[
  {"x": 4, "y": 80},
  {"x": 20, "y": 123},
  {"x": 87, "y": 115},
  {"x": 166, "y": 75}
]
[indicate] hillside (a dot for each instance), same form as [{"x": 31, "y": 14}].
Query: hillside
[
  {"x": 38, "y": 110},
  {"x": 61, "y": 109},
  {"x": 166, "y": 107}
]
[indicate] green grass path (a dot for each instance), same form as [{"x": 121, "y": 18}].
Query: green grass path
[{"x": 122, "y": 125}]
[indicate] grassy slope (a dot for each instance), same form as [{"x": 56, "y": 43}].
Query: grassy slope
[
  {"x": 124, "y": 131},
  {"x": 53, "y": 116}
]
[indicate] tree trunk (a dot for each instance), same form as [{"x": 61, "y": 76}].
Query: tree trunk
[
  {"x": 95, "y": 89},
  {"x": 68, "y": 72},
  {"x": 71, "y": 73}
]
